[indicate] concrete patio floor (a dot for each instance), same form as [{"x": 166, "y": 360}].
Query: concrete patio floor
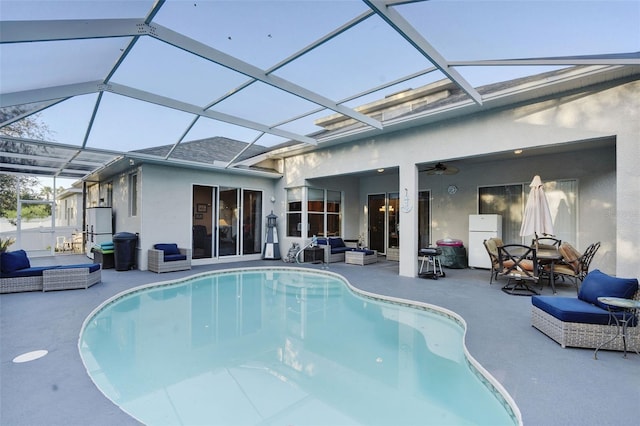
[{"x": 551, "y": 385}]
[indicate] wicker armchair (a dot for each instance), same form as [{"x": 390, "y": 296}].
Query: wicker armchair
[{"x": 169, "y": 258}]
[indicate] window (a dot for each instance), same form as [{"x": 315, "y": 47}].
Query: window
[
  {"x": 505, "y": 200},
  {"x": 509, "y": 202},
  {"x": 424, "y": 219},
  {"x": 108, "y": 198},
  {"x": 334, "y": 203},
  {"x": 315, "y": 212},
  {"x": 294, "y": 212},
  {"x": 323, "y": 210},
  {"x": 133, "y": 194}
]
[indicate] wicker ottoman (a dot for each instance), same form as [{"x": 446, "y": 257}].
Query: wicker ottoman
[{"x": 360, "y": 257}]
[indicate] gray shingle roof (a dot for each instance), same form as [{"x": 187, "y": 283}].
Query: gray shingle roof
[{"x": 206, "y": 150}]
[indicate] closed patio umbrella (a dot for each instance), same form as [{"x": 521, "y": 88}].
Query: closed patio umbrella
[{"x": 537, "y": 216}]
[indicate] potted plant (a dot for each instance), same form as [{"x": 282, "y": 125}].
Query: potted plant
[{"x": 5, "y": 243}]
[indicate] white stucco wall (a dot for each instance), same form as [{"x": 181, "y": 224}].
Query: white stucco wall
[
  {"x": 606, "y": 112},
  {"x": 166, "y": 205}
]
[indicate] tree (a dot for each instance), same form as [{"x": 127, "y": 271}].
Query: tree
[{"x": 28, "y": 127}]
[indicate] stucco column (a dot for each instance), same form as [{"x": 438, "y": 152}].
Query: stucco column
[
  {"x": 408, "y": 190},
  {"x": 627, "y": 205}
]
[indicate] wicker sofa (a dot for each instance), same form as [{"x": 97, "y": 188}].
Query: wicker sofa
[
  {"x": 583, "y": 322},
  {"x": 169, "y": 258},
  {"x": 18, "y": 275},
  {"x": 334, "y": 248}
]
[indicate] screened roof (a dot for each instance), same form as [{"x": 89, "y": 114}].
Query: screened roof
[{"x": 108, "y": 77}]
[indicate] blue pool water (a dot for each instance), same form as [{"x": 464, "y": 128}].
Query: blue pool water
[{"x": 285, "y": 347}]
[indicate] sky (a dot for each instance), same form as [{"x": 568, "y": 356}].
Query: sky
[{"x": 263, "y": 33}]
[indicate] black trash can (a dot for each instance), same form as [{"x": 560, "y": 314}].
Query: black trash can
[{"x": 124, "y": 250}]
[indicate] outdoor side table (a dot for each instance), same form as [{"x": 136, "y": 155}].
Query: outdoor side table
[
  {"x": 314, "y": 254},
  {"x": 629, "y": 311}
]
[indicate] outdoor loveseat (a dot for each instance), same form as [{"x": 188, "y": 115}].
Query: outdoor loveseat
[
  {"x": 18, "y": 275},
  {"x": 584, "y": 322},
  {"x": 334, "y": 248},
  {"x": 169, "y": 258}
]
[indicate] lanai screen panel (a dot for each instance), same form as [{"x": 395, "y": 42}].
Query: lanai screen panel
[{"x": 118, "y": 76}]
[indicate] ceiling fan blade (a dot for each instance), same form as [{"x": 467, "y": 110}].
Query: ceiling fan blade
[
  {"x": 441, "y": 169},
  {"x": 450, "y": 170}
]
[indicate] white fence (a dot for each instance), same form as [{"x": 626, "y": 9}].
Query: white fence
[{"x": 39, "y": 238}]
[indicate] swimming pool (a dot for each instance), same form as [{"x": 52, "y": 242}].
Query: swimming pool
[{"x": 285, "y": 346}]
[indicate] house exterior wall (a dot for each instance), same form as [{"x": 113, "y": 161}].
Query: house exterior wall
[
  {"x": 165, "y": 206},
  {"x": 609, "y": 204},
  {"x": 69, "y": 210}
]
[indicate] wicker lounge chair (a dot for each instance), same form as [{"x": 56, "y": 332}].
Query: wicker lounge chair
[
  {"x": 578, "y": 322},
  {"x": 169, "y": 258},
  {"x": 19, "y": 275}
]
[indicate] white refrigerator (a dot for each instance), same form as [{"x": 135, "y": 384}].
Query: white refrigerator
[
  {"x": 482, "y": 227},
  {"x": 99, "y": 227}
]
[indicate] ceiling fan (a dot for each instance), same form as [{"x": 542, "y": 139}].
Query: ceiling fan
[{"x": 441, "y": 169}]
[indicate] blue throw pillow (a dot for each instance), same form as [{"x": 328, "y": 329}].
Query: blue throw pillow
[
  {"x": 14, "y": 261},
  {"x": 336, "y": 242},
  {"x": 168, "y": 248},
  {"x": 598, "y": 284},
  {"x": 321, "y": 241}
]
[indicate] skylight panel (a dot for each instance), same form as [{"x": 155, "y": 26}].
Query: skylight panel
[
  {"x": 67, "y": 121},
  {"x": 174, "y": 73},
  {"x": 21, "y": 10},
  {"x": 265, "y": 104},
  {"x": 365, "y": 56},
  {"x": 306, "y": 125},
  {"x": 124, "y": 124},
  {"x": 261, "y": 33},
  {"x": 26, "y": 66},
  {"x": 475, "y": 30}
]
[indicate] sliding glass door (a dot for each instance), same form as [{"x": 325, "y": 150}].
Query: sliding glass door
[{"x": 226, "y": 222}]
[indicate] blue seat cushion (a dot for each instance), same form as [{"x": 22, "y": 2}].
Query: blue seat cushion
[
  {"x": 173, "y": 257},
  {"x": 35, "y": 271},
  {"x": 93, "y": 267},
  {"x": 365, "y": 251},
  {"x": 335, "y": 250},
  {"x": 337, "y": 244},
  {"x": 13, "y": 261},
  {"x": 571, "y": 309},
  {"x": 168, "y": 248},
  {"x": 598, "y": 284}
]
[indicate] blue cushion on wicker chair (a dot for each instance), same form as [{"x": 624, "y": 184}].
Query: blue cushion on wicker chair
[
  {"x": 168, "y": 249},
  {"x": 336, "y": 242},
  {"x": 14, "y": 261},
  {"x": 598, "y": 284},
  {"x": 173, "y": 257}
]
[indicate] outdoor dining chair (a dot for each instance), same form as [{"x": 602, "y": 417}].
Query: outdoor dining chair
[
  {"x": 574, "y": 265},
  {"x": 546, "y": 242},
  {"x": 491, "y": 245},
  {"x": 519, "y": 264}
]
